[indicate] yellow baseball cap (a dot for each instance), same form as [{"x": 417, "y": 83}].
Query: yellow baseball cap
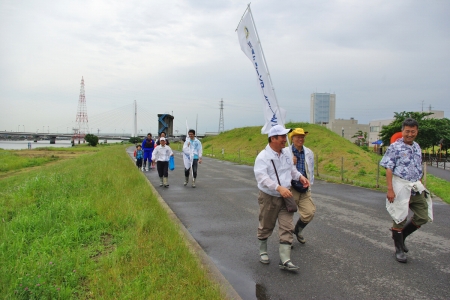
[{"x": 297, "y": 131}]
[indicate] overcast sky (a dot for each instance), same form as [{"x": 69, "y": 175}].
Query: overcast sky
[{"x": 183, "y": 57}]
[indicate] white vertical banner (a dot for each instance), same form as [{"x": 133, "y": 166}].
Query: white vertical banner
[{"x": 251, "y": 46}]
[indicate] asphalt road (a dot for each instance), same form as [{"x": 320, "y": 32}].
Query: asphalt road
[
  {"x": 439, "y": 172},
  {"x": 349, "y": 253}
]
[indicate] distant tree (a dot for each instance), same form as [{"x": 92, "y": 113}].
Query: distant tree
[
  {"x": 91, "y": 139},
  {"x": 361, "y": 138},
  {"x": 432, "y": 132},
  {"x": 437, "y": 133},
  {"x": 135, "y": 140}
]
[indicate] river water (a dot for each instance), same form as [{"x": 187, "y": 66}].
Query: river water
[{"x": 17, "y": 145}]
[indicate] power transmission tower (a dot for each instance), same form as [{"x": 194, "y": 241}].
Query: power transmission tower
[
  {"x": 221, "y": 126},
  {"x": 82, "y": 117}
]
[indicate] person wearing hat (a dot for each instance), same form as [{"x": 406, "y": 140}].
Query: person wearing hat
[
  {"x": 270, "y": 197},
  {"x": 303, "y": 159},
  {"x": 161, "y": 155}
]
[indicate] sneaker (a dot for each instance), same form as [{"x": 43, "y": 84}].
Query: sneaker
[
  {"x": 146, "y": 169},
  {"x": 288, "y": 266}
]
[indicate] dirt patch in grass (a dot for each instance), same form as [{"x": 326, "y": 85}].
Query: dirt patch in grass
[{"x": 49, "y": 153}]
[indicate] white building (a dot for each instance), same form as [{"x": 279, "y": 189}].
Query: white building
[
  {"x": 347, "y": 128},
  {"x": 323, "y": 108}
]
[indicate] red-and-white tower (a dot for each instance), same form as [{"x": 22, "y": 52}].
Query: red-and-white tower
[{"x": 82, "y": 117}]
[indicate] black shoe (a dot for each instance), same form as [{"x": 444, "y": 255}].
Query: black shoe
[
  {"x": 400, "y": 255},
  {"x": 298, "y": 229},
  {"x": 407, "y": 230}
]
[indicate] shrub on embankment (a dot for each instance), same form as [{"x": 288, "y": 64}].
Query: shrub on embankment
[
  {"x": 336, "y": 158},
  {"x": 90, "y": 227}
]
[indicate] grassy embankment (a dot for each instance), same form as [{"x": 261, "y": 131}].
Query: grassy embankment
[
  {"x": 337, "y": 159},
  {"x": 90, "y": 227}
]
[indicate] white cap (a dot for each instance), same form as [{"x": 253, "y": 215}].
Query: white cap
[
  {"x": 278, "y": 130},
  {"x": 162, "y": 139}
]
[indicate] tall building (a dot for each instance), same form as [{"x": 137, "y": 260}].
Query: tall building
[{"x": 323, "y": 108}]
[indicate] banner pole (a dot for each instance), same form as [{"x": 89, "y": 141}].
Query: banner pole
[
  {"x": 270, "y": 77},
  {"x": 267, "y": 66},
  {"x": 248, "y": 6}
]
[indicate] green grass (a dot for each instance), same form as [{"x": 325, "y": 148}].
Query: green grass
[
  {"x": 9, "y": 160},
  {"x": 90, "y": 227},
  {"x": 337, "y": 159},
  {"x": 439, "y": 187}
]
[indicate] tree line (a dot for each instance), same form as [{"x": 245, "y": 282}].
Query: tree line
[{"x": 432, "y": 132}]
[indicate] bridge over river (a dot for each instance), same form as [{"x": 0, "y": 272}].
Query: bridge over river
[{"x": 52, "y": 137}]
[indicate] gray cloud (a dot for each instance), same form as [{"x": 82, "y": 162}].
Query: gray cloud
[{"x": 183, "y": 56}]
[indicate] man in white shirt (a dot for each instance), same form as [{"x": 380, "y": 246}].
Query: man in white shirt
[{"x": 270, "y": 198}]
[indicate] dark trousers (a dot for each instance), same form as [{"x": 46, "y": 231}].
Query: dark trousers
[
  {"x": 163, "y": 168},
  {"x": 419, "y": 206},
  {"x": 194, "y": 169},
  {"x": 139, "y": 162}
]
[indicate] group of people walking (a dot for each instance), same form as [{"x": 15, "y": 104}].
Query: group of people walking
[
  {"x": 158, "y": 152},
  {"x": 288, "y": 172}
]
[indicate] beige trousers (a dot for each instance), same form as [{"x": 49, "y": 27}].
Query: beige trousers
[
  {"x": 271, "y": 209},
  {"x": 305, "y": 205}
]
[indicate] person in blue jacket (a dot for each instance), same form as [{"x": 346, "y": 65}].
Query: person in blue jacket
[
  {"x": 148, "y": 145},
  {"x": 139, "y": 154}
]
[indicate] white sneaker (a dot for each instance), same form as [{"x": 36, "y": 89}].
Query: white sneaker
[{"x": 146, "y": 169}]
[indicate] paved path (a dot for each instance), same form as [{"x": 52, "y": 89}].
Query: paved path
[
  {"x": 349, "y": 249},
  {"x": 439, "y": 172}
]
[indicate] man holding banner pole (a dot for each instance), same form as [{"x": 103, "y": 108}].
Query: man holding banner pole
[
  {"x": 272, "y": 165},
  {"x": 270, "y": 199}
]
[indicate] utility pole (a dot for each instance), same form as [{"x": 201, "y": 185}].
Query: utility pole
[
  {"x": 221, "y": 125},
  {"x": 135, "y": 120}
]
